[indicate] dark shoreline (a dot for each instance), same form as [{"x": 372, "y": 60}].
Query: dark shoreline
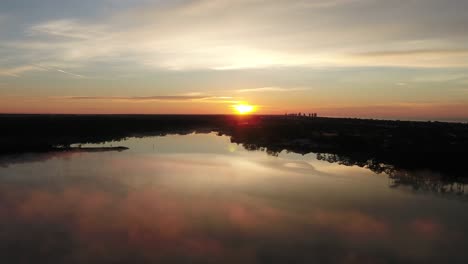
[{"x": 377, "y": 144}]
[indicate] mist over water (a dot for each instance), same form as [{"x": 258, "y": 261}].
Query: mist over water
[{"x": 199, "y": 198}]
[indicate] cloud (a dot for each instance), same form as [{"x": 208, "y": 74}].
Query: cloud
[
  {"x": 167, "y": 98},
  {"x": 66, "y": 28},
  {"x": 49, "y": 68},
  {"x": 269, "y": 89},
  {"x": 438, "y": 77},
  {"x": 245, "y": 34},
  {"x": 142, "y": 98},
  {"x": 425, "y": 58},
  {"x": 17, "y": 71},
  {"x": 422, "y": 52},
  {"x": 69, "y": 73}
]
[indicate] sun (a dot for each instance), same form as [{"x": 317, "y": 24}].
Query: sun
[{"x": 243, "y": 109}]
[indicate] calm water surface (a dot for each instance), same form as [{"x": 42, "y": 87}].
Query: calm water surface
[{"x": 201, "y": 199}]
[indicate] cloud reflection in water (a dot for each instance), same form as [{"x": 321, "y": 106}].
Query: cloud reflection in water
[{"x": 216, "y": 206}]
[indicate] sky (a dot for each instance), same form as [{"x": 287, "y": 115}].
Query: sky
[{"x": 399, "y": 59}]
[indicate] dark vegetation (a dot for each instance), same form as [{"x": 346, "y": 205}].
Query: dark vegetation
[{"x": 375, "y": 144}]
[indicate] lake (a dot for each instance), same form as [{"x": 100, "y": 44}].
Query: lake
[{"x": 199, "y": 198}]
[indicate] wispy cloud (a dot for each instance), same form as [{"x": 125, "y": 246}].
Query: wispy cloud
[
  {"x": 421, "y": 58},
  {"x": 442, "y": 77},
  {"x": 141, "y": 98},
  {"x": 165, "y": 98},
  {"x": 69, "y": 73},
  {"x": 50, "y": 68},
  {"x": 66, "y": 28},
  {"x": 17, "y": 71},
  {"x": 401, "y": 84},
  {"x": 422, "y": 52},
  {"x": 270, "y": 89}
]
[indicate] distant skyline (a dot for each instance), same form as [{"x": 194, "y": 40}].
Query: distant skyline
[{"x": 353, "y": 58}]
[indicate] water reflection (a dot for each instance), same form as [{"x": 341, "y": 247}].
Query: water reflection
[
  {"x": 202, "y": 199},
  {"x": 449, "y": 186}
]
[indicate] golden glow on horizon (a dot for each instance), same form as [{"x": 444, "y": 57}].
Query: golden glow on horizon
[
  {"x": 267, "y": 106},
  {"x": 244, "y": 109}
]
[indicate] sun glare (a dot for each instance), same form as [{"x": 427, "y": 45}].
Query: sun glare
[{"x": 243, "y": 109}]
